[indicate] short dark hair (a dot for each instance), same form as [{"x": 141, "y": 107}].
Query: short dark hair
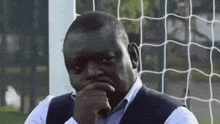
[{"x": 95, "y": 20}]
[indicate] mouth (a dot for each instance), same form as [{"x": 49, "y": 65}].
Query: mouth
[{"x": 102, "y": 80}]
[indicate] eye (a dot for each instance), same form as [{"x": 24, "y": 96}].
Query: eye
[
  {"x": 76, "y": 65},
  {"x": 76, "y": 69},
  {"x": 108, "y": 61}
]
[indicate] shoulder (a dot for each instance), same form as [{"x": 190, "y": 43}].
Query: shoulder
[
  {"x": 158, "y": 99},
  {"x": 61, "y": 102},
  {"x": 39, "y": 113},
  {"x": 150, "y": 106},
  {"x": 181, "y": 115},
  {"x": 62, "y": 99},
  {"x": 60, "y": 109},
  {"x": 165, "y": 106}
]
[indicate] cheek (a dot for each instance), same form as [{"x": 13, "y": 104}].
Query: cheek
[
  {"x": 74, "y": 80},
  {"x": 128, "y": 73}
]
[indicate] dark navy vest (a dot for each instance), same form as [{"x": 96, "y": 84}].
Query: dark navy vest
[{"x": 148, "y": 107}]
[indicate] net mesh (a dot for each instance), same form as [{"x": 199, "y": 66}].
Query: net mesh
[{"x": 200, "y": 90}]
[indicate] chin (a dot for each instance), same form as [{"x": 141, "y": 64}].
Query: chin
[{"x": 115, "y": 98}]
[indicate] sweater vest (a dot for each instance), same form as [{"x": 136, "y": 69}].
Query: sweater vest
[{"x": 148, "y": 107}]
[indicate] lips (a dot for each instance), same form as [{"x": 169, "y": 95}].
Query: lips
[{"x": 102, "y": 80}]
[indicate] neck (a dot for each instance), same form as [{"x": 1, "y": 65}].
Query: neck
[{"x": 115, "y": 99}]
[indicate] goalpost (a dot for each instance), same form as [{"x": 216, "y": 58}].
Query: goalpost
[{"x": 190, "y": 50}]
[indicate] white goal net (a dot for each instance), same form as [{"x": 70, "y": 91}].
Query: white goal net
[{"x": 179, "y": 42}]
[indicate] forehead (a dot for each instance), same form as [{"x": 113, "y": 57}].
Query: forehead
[{"x": 103, "y": 40}]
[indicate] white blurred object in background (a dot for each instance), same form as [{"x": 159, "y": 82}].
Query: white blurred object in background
[{"x": 12, "y": 98}]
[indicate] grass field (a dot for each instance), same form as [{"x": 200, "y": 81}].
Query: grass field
[
  {"x": 11, "y": 115},
  {"x": 208, "y": 121}
]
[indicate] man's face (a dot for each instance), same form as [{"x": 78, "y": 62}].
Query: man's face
[{"x": 98, "y": 57}]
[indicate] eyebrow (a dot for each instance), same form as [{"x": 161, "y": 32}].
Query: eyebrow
[{"x": 89, "y": 55}]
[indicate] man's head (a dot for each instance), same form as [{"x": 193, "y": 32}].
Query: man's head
[{"x": 96, "y": 49}]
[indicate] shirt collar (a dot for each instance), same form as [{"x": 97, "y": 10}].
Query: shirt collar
[
  {"x": 130, "y": 95},
  {"x": 133, "y": 91}
]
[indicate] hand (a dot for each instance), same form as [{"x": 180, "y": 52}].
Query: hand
[{"x": 92, "y": 103}]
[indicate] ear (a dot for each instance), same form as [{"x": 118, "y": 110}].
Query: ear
[{"x": 134, "y": 54}]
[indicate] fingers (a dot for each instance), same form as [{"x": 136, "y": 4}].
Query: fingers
[
  {"x": 95, "y": 98},
  {"x": 92, "y": 102}
]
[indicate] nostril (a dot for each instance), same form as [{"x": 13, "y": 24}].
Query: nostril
[
  {"x": 90, "y": 71},
  {"x": 93, "y": 68},
  {"x": 94, "y": 71}
]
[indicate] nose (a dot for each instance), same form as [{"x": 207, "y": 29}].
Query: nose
[{"x": 94, "y": 69}]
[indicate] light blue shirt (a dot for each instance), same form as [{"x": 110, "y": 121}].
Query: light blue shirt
[{"x": 180, "y": 115}]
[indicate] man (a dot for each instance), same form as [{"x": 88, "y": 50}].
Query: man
[{"x": 102, "y": 67}]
